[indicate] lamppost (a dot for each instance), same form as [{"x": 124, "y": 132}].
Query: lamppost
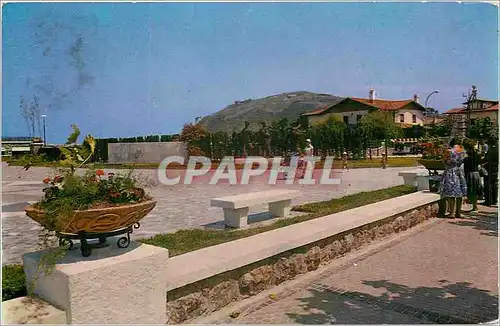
[
  {"x": 470, "y": 99},
  {"x": 44, "y": 137},
  {"x": 428, "y": 97}
]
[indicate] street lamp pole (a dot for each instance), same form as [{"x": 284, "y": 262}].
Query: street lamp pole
[
  {"x": 428, "y": 97},
  {"x": 44, "y": 135}
]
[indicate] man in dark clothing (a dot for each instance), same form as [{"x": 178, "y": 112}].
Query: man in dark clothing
[{"x": 491, "y": 180}]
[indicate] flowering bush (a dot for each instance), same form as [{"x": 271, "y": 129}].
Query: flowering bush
[
  {"x": 69, "y": 192},
  {"x": 434, "y": 151}
]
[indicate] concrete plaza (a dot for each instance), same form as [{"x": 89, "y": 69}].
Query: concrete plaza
[{"x": 178, "y": 207}]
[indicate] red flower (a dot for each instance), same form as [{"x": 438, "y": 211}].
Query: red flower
[
  {"x": 138, "y": 192},
  {"x": 57, "y": 178},
  {"x": 99, "y": 172},
  {"x": 114, "y": 195},
  {"x": 46, "y": 180}
]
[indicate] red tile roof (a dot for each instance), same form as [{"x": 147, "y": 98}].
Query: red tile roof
[
  {"x": 389, "y": 105},
  {"x": 455, "y": 111},
  {"x": 318, "y": 111},
  {"x": 464, "y": 110},
  {"x": 385, "y": 105}
]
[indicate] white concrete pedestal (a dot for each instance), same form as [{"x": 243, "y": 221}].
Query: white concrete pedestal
[
  {"x": 236, "y": 218},
  {"x": 280, "y": 208},
  {"x": 113, "y": 285},
  {"x": 410, "y": 177},
  {"x": 422, "y": 182}
]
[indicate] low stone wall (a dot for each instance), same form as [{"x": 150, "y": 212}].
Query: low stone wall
[
  {"x": 145, "y": 152},
  {"x": 209, "y": 295}
]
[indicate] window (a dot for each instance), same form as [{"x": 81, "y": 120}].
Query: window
[
  {"x": 414, "y": 118},
  {"x": 358, "y": 117},
  {"x": 401, "y": 118},
  {"x": 346, "y": 119}
]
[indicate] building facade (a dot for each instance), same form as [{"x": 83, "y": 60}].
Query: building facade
[
  {"x": 352, "y": 109},
  {"x": 479, "y": 109}
]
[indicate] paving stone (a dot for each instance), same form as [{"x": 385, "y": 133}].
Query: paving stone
[{"x": 403, "y": 283}]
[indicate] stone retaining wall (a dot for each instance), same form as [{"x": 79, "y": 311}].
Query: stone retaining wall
[{"x": 209, "y": 295}]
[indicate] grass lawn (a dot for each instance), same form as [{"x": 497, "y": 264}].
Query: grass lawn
[
  {"x": 184, "y": 241},
  {"x": 353, "y": 164}
]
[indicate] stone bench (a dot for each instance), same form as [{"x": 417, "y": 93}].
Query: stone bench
[
  {"x": 236, "y": 207},
  {"x": 417, "y": 178}
]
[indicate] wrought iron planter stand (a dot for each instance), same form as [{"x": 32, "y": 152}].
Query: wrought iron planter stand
[{"x": 86, "y": 247}]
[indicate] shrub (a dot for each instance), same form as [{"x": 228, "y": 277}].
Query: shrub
[{"x": 13, "y": 282}]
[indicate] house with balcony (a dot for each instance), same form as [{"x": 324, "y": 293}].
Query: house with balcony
[
  {"x": 479, "y": 109},
  {"x": 352, "y": 109}
]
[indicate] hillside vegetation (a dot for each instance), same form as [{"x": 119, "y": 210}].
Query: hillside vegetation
[{"x": 286, "y": 105}]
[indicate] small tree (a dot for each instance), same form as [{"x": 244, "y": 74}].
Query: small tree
[
  {"x": 31, "y": 115},
  {"x": 193, "y": 135},
  {"x": 380, "y": 125},
  {"x": 73, "y": 137},
  {"x": 483, "y": 128}
]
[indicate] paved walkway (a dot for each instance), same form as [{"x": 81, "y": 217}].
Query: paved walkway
[
  {"x": 445, "y": 271},
  {"x": 179, "y": 207}
]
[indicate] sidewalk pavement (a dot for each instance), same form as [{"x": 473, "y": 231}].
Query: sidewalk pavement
[{"x": 445, "y": 271}]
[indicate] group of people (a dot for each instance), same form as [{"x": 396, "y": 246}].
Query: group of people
[{"x": 471, "y": 173}]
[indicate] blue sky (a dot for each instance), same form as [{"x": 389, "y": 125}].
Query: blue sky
[{"x": 148, "y": 68}]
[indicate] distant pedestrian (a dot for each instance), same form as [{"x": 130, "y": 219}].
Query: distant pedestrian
[
  {"x": 309, "y": 150},
  {"x": 345, "y": 157},
  {"x": 483, "y": 147},
  {"x": 384, "y": 161}
]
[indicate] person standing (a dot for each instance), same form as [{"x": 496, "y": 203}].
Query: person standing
[
  {"x": 491, "y": 179},
  {"x": 453, "y": 186},
  {"x": 472, "y": 176}
]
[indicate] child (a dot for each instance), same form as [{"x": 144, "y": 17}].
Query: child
[{"x": 344, "y": 161}]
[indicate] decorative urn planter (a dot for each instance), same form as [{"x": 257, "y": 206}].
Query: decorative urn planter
[
  {"x": 99, "y": 223},
  {"x": 432, "y": 164}
]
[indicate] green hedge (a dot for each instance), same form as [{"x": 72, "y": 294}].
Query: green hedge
[{"x": 13, "y": 282}]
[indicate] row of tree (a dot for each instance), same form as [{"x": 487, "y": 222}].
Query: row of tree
[
  {"x": 280, "y": 137},
  {"x": 283, "y": 136}
]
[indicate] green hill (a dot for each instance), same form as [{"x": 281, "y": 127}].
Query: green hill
[{"x": 286, "y": 105}]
